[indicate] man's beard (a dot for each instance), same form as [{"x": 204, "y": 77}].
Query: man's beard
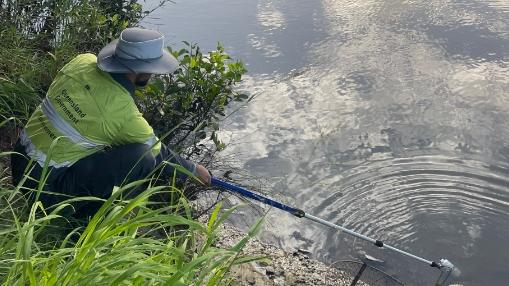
[
  {"x": 141, "y": 80},
  {"x": 141, "y": 83}
]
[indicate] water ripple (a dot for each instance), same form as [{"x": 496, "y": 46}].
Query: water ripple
[{"x": 404, "y": 200}]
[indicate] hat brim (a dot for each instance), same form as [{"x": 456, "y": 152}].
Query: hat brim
[{"x": 106, "y": 61}]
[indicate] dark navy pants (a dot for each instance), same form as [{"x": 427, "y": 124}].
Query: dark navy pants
[{"x": 95, "y": 175}]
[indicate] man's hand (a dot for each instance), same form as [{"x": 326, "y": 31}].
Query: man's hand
[{"x": 203, "y": 174}]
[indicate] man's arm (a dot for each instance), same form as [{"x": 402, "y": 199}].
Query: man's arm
[
  {"x": 137, "y": 130},
  {"x": 198, "y": 170}
]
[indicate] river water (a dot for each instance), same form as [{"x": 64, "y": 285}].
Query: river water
[{"x": 388, "y": 117}]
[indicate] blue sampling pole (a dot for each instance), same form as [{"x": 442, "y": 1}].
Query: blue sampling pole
[{"x": 444, "y": 265}]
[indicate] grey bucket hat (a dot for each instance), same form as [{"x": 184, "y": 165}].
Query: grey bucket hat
[{"x": 137, "y": 51}]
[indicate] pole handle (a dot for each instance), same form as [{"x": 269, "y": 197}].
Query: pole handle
[{"x": 245, "y": 193}]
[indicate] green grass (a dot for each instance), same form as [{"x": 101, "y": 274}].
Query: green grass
[
  {"x": 23, "y": 72},
  {"x": 127, "y": 242}
]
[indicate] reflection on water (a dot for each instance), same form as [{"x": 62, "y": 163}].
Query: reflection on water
[
  {"x": 389, "y": 117},
  {"x": 433, "y": 204}
]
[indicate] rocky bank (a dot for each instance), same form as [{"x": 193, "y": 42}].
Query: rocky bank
[{"x": 282, "y": 267}]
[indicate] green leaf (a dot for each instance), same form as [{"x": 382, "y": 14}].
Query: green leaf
[{"x": 213, "y": 217}]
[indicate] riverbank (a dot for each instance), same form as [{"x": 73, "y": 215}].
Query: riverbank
[{"x": 280, "y": 267}]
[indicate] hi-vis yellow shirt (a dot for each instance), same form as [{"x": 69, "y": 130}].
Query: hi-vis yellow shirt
[{"x": 84, "y": 111}]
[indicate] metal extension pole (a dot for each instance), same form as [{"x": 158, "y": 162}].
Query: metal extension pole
[
  {"x": 443, "y": 265},
  {"x": 374, "y": 241}
]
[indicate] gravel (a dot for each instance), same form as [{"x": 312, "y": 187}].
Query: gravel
[{"x": 280, "y": 267}]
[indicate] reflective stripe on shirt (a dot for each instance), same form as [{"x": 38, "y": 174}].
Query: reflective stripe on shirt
[
  {"x": 65, "y": 128},
  {"x": 38, "y": 155},
  {"x": 151, "y": 141}
]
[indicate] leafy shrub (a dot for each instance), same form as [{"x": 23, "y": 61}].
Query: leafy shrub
[{"x": 194, "y": 97}]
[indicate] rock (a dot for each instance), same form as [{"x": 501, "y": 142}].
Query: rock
[
  {"x": 304, "y": 251},
  {"x": 288, "y": 268},
  {"x": 263, "y": 263},
  {"x": 269, "y": 271},
  {"x": 281, "y": 268}
]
